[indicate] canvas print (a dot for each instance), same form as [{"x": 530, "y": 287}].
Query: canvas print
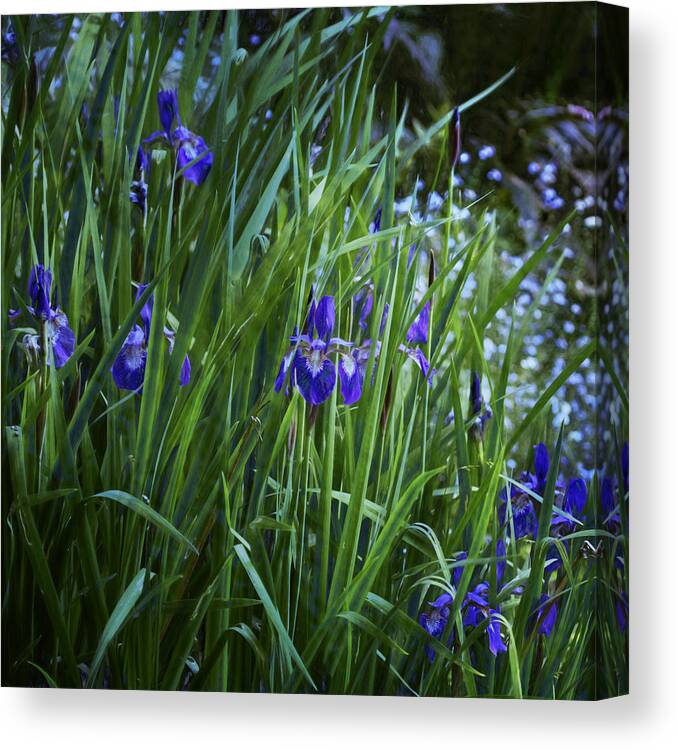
[{"x": 315, "y": 351}]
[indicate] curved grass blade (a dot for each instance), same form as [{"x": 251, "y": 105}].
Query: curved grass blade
[
  {"x": 150, "y": 515},
  {"x": 117, "y": 619}
]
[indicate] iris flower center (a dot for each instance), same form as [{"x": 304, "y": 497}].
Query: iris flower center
[{"x": 315, "y": 361}]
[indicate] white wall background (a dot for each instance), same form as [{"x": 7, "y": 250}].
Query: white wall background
[{"x": 648, "y": 718}]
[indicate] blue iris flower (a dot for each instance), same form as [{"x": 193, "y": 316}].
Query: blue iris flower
[
  {"x": 129, "y": 367},
  {"x": 10, "y": 48},
  {"x": 310, "y": 361},
  {"x": 476, "y": 610},
  {"x": 522, "y": 511},
  {"x": 189, "y": 147},
  {"x": 435, "y": 622},
  {"x": 52, "y": 319},
  {"x": 417, "y": 333}
]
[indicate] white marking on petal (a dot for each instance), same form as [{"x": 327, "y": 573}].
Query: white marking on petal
[
  {"x": 349, "y": 364},
  {"x": 314, "y": 362},
  {"x": 134, "y": 357}
]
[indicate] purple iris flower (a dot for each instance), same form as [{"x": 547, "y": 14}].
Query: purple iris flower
[
  {"x": 143, "y": 163},
  {"x": 129, "y": 367},
  {"x": 522, "y": 509},
  {"x": 574, "y": 503},
  {"x": 547, "y": 614},
  {"x": 10, "y": 48},
  {"x": 475, "y": 602},
  {"x": 191, "y": 147},
  {"x": 139, "y": 189},
  {"x": 53, "y": 320},
  {"x": 478, "y": 609},
  {"x": 496, "y": 644},
  {"x": 364, "y": 302},
  {"x": 187, "y": 144},
  {"x": 310, "y": 361},
  {"x": 435, "y": 622},
  {"x": 625, "y": 465},
  {"x": 352, "y": 368}
]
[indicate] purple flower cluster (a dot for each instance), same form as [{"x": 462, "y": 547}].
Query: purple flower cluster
[
  {"x": 476, "y": 611},
  {"x": 310, "y": 360},
  {"x": 129, "y": 367}
]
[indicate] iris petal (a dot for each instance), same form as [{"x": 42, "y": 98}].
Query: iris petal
[
  {"x": 547, "y": 619},
  {"x": 185, "y": 374},
  {"x": 168, "y": 109},
  {"x": 416, "y": 355},
  {"x": 351, "y": 377},
  {"x": 324, "y": 317},
  {"x": 192, "y": 147},
  {"x": 282, "y": 372},
  {"x": 442, "y": 601},
  {"x": 39, "y": 290},
  {"x": 61, "y": 337},
  {"x": 575, "y": 500},
  {"x": 475, "y": 395},
  {"x": 364, "y": 302},
  {"x": 418, "y": 331},
  {"x": 541, "y": 463},
  {"x": 146, "y": 310},
  {"x": 130, "y": 365},
  {"x": 314, "y": 376},
  {"x": 497, "y": 646}
]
